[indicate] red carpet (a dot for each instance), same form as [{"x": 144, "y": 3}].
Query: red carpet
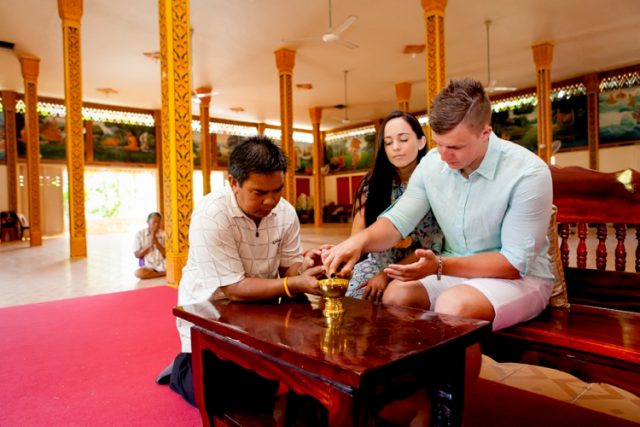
[{"x": 91, "y": 361}]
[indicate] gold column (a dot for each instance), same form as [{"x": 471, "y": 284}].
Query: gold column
[
  {"x": 592, "y": 82},
  {"x": 177, "y": 145},
  {"x": 30, "y": 68},
  {"x": 157, "y": 122},
  {"x": 542, "y": 56},
  {"x": 403, "y": 95},
  {"x": 285, "y": 60},
  {"x": 434, "y": 42},
  {"x": 70, "y": 12},
  {"x": 11, "y": 147},
  {"x": 205, "y": 137},
  {"x": 261, "y": 128},
  {"x": 315, "y": 114}
]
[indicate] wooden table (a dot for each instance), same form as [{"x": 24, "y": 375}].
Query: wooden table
[{"x": 352, "y": 368}]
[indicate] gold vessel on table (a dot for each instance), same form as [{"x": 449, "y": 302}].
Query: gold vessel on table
[{"x": 333, "y": 290}]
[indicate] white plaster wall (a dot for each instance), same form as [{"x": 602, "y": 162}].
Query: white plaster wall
[{"x": 611, "y": 159}]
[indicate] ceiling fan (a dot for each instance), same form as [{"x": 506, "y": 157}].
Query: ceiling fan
[
  {"x": 332, "y": 34},
  {"x": 491, "y": 84}
]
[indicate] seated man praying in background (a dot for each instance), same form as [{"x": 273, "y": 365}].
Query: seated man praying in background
[{"x": 148, "y": 247}]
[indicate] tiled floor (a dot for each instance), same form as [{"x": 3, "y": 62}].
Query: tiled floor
[{"x": 45, "y": 273}]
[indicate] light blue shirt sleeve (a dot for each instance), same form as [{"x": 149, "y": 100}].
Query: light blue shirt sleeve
[
  {"x": 526, "y": 221},
  {"x": 411, "y": 207}
]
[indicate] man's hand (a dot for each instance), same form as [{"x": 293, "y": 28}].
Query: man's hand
[
  {"x": 427, "y": 264},
  {"x": 307, "y": 281},
  {"x": 375, "y": 287},
  {"x": 312, "y": 258},
  {"x": 342, "y": 256}
]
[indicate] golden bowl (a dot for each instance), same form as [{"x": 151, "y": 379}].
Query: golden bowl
[{"x": 334, "y": 287}]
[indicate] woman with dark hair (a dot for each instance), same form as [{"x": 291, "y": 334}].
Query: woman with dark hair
[{"x": 401, "y": 145}]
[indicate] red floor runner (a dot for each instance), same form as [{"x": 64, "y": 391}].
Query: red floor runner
[{"x": 91, "y": 361}]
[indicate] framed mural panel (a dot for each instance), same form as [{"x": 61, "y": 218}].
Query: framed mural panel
[
  {"x": 620, "y": 115},
  {"x": 3, "y": 139},
  {"x": 123, "y": 143},
  {"x": 225, "y": 144},
  {"x": 303, "y": 158},
  {"x": 197, "y": 147},
  {"x": 569, "y": 118},
  {"x": 519, "y": 125},
  {"x": 351, "y": 153},
  {"x": 53, "y": 143},
  {"x": 569, "y": 123}
]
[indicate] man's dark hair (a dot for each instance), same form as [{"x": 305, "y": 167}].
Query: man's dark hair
[
  {"x": 257, "y": 154},
  {"x": 378, "y": 182},
  {"x": 462, "y": 101},
  {"x": 152, "y": 214}
]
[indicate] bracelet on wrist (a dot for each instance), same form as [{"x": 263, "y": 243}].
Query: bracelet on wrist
[
  {"x": 439, "y": 272},
  {"x": 286, "y": 287}
]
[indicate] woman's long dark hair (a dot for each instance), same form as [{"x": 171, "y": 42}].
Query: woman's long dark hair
[{"x": 379, "y": 181}]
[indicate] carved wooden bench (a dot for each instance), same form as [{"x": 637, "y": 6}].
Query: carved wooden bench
[{"x": 596, "y": 338}]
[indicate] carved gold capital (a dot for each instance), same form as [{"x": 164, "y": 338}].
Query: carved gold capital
[
  {"x": 433, "y": 6},
  {"x": 285, "y": 60},
  {"x": 30, "y": 67},
  {"x": 542, "y": 54},
  {"x": 206, "y": 90},
  {"x": 403, "y": 91},
  {"x": 70, "y": 9},
  {"x": 315, "y": 114}
]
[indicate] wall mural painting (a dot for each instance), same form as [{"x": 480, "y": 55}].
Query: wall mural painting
[
  {"x": 518, "y": 125},
  {"x": 53, "y": 143},
  {"x": 351, "y": 153},
  {"x": 3, "y": 139},
  {"x": 225, "y": 144},
  {"x": 568, "y": 117},
  {"x": 116, "y": 142},
  {"x": 620, "y": 115},
  {"x": 197, "y": 147},
  {"x": 303, "y": 158}
]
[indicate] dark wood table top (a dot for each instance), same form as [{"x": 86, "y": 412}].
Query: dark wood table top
[{"x": 370, "y": 337}]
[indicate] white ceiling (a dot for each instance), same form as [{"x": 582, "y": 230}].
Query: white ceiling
[{"x": 234, "y": 40}]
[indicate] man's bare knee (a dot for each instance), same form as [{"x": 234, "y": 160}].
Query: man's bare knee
[
  {"x": 465, "y": 301},
  {"x": 410, "y": 294}
]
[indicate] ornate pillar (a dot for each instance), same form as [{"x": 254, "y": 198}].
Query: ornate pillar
[
  {"x": 542, "y": 56},
  {"x": 434, "y": 42},
  {"x": 70, "y": 12},
  {"x": 592, "y": 82},
  {"x": 11, "y": 147},
  {"x": 30, "y": 68},
  {"x": 315, "y": 114},
  {"x": 177, "y": 148},
  {"x": 403, "y": 95},
  {"x": 205, "y": 137},
  {"x": 285, "y": 60},
  {"x": 157, "y": 122}
]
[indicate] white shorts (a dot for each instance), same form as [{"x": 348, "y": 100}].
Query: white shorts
[{"x": 513, "y": 301}]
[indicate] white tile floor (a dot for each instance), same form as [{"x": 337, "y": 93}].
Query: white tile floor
[{"x": 46, "y": 273}]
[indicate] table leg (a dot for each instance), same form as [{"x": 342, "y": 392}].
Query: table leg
[
  {"x": 446, "y": 389},
  {"x": 198, "y": 377}
]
